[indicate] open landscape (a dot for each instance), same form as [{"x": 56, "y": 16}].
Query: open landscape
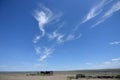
[
  {"x": 104, "y": 74},
  {"x": 59, "y": 39}
]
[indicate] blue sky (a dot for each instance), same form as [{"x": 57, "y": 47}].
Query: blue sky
[{"x": 59, "y": 34}]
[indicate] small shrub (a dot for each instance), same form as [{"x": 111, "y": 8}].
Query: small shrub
[
  {"x": 90, "y": 76},
  {"x": 38, "y": 73},
  {"x": 70, "y": 77},
  {"x": 80, "y": 76},
  {"x": 118, "y": 76}
]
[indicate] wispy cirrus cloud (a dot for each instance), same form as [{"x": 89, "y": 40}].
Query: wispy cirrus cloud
[
  {"x": 96, "y": 10},
  {"x": 56, "y": 35},
  {"x": 70, "y": 37},
  {"x": 43, "y": 52},
  {"x": 44, "y": 16},
  {"x": 38, "y": 50},
  {"x": 73, "y": 37},
  {"x": 60, "y": 38},
  {"x": 46, "y": 53},
  {"x": 109, "y": 13},
  {"x": 36, "y": 39},
  {"x": 115, "y": 7},
  {"x": 115, "y": 43}
]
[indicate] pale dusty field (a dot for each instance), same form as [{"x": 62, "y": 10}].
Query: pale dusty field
[
  {"x": 54, "y": 77},
  {"x": 24, "y": 77}
]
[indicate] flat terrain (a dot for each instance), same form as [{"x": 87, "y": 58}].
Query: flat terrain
[
  {"x": 54, "y": 77},
  {"x": 57, "y": 75},
  {"x": 24, "y": 77}
]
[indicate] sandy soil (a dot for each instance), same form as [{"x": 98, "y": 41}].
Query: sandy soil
[
  {"x": 54, "y": 77},
  {"x": 24, "y": 77}
]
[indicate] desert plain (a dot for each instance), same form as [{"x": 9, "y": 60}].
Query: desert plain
[{"x": 61, "y": 75}]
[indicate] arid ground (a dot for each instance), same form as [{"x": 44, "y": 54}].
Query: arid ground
[
  {"x": 54, "y": 77},
  {"x": 59, "y": 75}
]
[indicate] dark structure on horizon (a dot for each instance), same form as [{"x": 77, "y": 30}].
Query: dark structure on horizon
[{"x": 48, "y": 73}]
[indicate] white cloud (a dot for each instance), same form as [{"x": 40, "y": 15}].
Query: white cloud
[
  {"x": 115, "y": 43},
  {"x": 96, "y": 10},
  {"x": 46, "y": 53},
  {"x": 53, "y": 35},
  {"x": 36, "y": 39},
  {"x": 57, "y": 36},
  {"x": 115, "y": 7},
  {"x": 109, "y": 13},
  {"x": 116, "y": 59},
  {"x": 44, "y": 16},
  {"x": 107, "y": 63},
  {"x": 113, "y": 63},
  {"x": 72, "y": 37},
  {"x": 38, "y": 50},
  {"x": 60, "y": 38}
]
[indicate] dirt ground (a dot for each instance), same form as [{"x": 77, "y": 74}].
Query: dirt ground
[
  {"x": 24, "y": 77},
  {"x": 54, "y": 77}
]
